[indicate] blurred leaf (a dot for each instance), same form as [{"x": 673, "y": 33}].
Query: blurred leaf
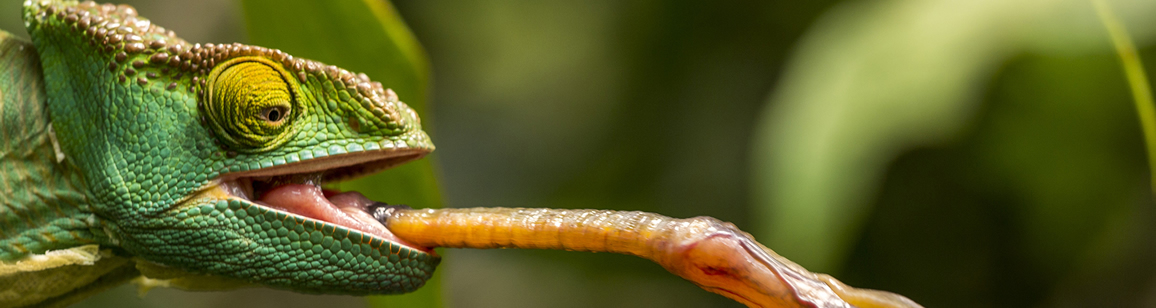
[
  {"x": 369, "y": 37},
  {"x": 1137, "y": 79},
  {"x": 1005, "y": 214},
  {"x": 876, "y": 78}
]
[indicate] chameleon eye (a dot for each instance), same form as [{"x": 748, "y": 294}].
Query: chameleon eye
[
  {"x": 249, "y": 104},
  {"x": 274, "y": 114}
]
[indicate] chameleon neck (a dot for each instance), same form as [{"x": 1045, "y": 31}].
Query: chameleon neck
[{"x": 43, "y": 204}]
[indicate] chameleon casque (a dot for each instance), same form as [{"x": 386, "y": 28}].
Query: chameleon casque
[{"x": 128, "y": 153}]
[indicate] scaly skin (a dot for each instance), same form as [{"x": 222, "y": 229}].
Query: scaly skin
[
  {"x": 126, "y": 152},
  {"x": 44, "y": 200},
  {"x": 152, "y": 129}
]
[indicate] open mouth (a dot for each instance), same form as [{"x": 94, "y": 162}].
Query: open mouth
[{"x": 296, "y": 189}]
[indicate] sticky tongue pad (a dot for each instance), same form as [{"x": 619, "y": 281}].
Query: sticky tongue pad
[{"x": 344, "y": 209}]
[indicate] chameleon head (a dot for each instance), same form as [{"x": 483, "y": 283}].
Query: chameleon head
[{"x": 210, "y": 158}]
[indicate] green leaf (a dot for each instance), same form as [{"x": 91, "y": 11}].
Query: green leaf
[
  {"x": 368, "y": 37},
  {"x": 876, "y": 78},
  {"x": 1137, "y": 79}
]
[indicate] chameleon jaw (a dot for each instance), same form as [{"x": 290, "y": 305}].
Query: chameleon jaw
[{"x": 295, "y": 189}]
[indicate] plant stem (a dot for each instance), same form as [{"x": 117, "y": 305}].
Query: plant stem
[{"x": 1137, "y": 80}]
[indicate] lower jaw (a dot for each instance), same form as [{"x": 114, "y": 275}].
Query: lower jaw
[{"x": 350, "y": 210}]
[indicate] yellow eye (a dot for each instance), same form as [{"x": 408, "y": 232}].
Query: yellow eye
[
  {"x": 250, "y": 104},
  {"x": 274, "y": 114}
]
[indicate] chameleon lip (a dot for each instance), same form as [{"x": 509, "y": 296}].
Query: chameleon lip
[
  {"x": 295, "y": 189},
  {"x": 308, "y": 200},
  {"x": 339, "y": 167}
]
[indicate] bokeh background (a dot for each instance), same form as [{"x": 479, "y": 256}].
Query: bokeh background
[{"x": 980, "y": 153}]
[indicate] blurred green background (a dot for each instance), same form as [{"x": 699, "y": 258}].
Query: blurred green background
[{"x": 979, "y": 153}]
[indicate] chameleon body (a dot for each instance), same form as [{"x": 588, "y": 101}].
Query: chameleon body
[
  {"x": 127, "y": 153},
  {"x": 165, "y": 155}
]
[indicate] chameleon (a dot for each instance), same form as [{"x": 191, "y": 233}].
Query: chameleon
[{"x": 129, "y": 154}]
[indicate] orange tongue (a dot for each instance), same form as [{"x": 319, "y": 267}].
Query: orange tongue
[{"x": 344, "y": 209}]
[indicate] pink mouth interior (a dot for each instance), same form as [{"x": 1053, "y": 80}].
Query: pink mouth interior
[{"x": 348, "y": 209}]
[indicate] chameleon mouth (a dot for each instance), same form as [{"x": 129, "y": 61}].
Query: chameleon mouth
[{"x": 296, "y": 189}]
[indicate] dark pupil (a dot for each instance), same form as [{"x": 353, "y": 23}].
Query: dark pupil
[{"x": 273, "y": 115}]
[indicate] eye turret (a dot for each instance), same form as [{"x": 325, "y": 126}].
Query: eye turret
[{"x": 251, "y": 103}]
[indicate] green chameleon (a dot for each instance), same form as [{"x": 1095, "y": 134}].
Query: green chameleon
[{"x": 126, "y": 151}]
